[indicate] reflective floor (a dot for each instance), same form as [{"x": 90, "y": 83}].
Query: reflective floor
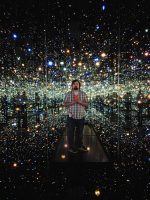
[
  {"x": 35, "y": 161},
  {"x": 95, "y": 150}
]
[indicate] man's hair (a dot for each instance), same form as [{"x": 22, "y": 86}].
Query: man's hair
[{"x": 76, "y": 80}]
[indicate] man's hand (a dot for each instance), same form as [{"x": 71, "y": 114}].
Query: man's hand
[
  {"x": 76, "y": 98},
  {"x": 67, "y": 104},
  {"x": 82, "y": 103}
]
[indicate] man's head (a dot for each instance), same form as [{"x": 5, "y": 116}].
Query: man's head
[{"x": 76, "y": 84}]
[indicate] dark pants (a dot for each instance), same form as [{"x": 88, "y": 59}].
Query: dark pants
[{"x": 75, "y": 132}]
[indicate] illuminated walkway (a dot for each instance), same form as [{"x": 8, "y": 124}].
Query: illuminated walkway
[{"x": 95, "y": 153}]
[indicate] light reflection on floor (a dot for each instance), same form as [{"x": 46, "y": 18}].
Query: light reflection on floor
[{"x": 95, "y": 151}]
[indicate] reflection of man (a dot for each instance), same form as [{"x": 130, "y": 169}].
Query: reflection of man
[
  {"x": 4, "y": 106},
  {"x": 140, "y": 104},
  {"x": 37, "y": 101},
  {"x": 24, "y": 100},
  {"x": 75, "y": 101},
  {"x": 128, "y": 100},
  {"x": 148, "y": 104},
  {"x": 45, "y": 102}
]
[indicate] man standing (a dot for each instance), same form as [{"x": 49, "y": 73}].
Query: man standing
[{"x": 75, "y": 101}]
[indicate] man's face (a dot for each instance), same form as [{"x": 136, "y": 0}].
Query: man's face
[{"x": 75, "y": 86}]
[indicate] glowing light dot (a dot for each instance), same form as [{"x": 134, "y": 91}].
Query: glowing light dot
[
  {"x": 15, "y": 165},
  {"x": 80, "y": 64},
  {"x": 148, "y": 97},
  {"x": 65, "y": 145},
  {"x": 103, "y": 55},
  {"x": 97, "y": 63},
  {"x": 29, "y": 49},
  {"x": 96, "y": 59},
  {"x": 50, "y": 63},
  {"x": 61, "y": 63},
  {"x": 88, "y": 148},
  {"x": 146, "y": 53},
  {"x": 97, "y": 192},
  {"x": 17, "y": 109},
  {"x": 103, "y": 7},
  {"x": 63, "y": 156},
  {"x": 14, "y": 36},
  {"x": 67, "y": 51},
  {"x": 97, "y": 27}
]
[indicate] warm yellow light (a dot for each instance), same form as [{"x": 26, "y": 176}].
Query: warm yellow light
[
  {"x": 103, "y": 55},
  {"x": 80, "y": 64},
  {"x": 17, "y": 109},
  {"x": 148, "y": 97},
  {"x": 68, "y": 51},
  {"x": 97, "y": 63},
  {"x": 97, "y": 192},
  {"x": 146, "y": 53},
  {"x": 14, "y": 164},
  {"x": 63, "y": 156},
  {"x": 88, "y": 148}
]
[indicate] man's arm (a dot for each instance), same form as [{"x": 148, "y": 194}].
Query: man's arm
[
  {"x": 67, "y": 104},
  {"x": 84, "y": 102}
]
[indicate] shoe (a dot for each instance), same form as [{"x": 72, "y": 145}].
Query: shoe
[
  {"x": 82, "y": 148},
  {"x": 73, "y": 151}
]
